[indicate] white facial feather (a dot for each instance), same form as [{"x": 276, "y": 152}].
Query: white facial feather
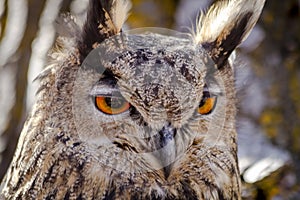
[{"x": 225, "y": 14}]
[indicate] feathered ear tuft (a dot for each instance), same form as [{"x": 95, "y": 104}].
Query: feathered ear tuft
[
  {"x": 120, "y": 13},
  {"x": 226, "y": 24},
  {"x": 105, "y": 18},
  {"x": 68, "y": 35}
]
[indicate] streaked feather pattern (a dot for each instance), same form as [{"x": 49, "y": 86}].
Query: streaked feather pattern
[{"x": 161, "y": 147}]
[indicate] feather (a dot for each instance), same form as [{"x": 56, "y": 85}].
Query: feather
[
  {"x": 66, "y": 26},
  {"x": 119, "y": 12},
  {"x": 224, "y": 15}
]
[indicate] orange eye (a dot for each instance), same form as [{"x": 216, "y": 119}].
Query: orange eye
[
  {"x": 207, "y": 105},
  {"x": 111, "y": 105}
]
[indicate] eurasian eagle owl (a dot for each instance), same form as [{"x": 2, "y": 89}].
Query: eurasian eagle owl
[{"x": 141, "y": 114}]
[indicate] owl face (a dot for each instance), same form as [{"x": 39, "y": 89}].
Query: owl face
[{"x": 147, "y": 92}]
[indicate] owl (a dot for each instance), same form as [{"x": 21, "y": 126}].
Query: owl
[{"x": 140, "y": 114}]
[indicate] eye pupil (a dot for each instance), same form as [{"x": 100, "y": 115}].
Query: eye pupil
[
  {"x": 108, "y": 101},
  {"x": 207, "y": 104},
  {"x": 202, "y": 103}
]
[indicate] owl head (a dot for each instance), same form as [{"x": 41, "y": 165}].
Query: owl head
[
  {"x": 158, "y": 92},
  {"x": 141, "y": 114}
]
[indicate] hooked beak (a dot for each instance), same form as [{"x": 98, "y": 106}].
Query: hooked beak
[{"x": 166, "y": 148}]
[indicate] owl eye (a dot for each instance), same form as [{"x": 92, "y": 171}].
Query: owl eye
[
  {"x": 111, "y": 105},
  {"x": 207, "y": 104}
]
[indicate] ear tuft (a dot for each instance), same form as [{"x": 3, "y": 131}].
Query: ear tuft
[
  {"x": 226, "y": 24},
  {"x": 120, "y": 12},
  {"x": 105, "y": 18},
  {"x": 66, "y": 26}
]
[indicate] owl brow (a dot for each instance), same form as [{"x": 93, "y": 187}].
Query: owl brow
[
  {"x": 109, "y": 74},
  {"x": 108, "y": 79},
  {"x": 106, "y": 86},
  {"x": 213, "y": 88},
  {"x": 105, "y": 90}
]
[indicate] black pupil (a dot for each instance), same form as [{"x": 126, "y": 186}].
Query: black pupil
[
  {"x": 115, "y": 102},
  {"x": 205, "y": 96}
]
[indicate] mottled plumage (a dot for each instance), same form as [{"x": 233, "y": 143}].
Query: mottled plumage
[{"x": 143, "y": 114}]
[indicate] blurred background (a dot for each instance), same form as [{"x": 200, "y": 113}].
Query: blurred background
[{"x": 267, "y": 74}]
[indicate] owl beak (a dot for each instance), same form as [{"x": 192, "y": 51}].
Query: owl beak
[
  {"x": 166, "y": 147},
  {"x": 167, "y": 134}
]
